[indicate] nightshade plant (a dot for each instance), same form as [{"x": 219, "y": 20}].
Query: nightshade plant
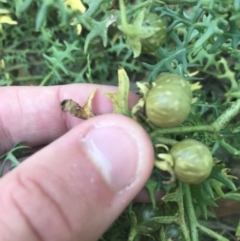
[{"x": 49, "y": 42}]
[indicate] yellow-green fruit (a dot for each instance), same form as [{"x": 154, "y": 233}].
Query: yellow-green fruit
[
  {"x": 151, "y": 44},
  {"x": 176, "y": 80},
  {"x": 193, "y": 161},
  {"x": 167, "y": 105}
]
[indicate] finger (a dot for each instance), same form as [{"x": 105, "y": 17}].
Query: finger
[
  {"x": 77, "y": 186},
  {"x": 33, "y": 114}
]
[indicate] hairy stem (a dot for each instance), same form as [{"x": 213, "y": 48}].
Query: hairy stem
[
  {"x": 229, "y": 114},
  {"x": 215, "y": 127},
  {"x": 184, "y": 129},
  {"x": 211, "y": 233},
  {"x": 166, "y": 141},
  {"x": 190, "y": 213}
]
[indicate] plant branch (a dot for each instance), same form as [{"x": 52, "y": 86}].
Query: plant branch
[
  {"x": 192, "y": 220},
  {"x": 184, "y": 129},
  {"x": 166, "y": 141},
  {"x": 194, "y": 225},
  {"x": 215, "y": 127},
  {"x": 211, "y": 233},
  {"x": 228, "y": 115}
]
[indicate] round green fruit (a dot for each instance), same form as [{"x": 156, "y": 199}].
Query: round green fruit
[
  {"x": 145, "y": 214},
  {"x": 175, "y": 80},
  {"x": 151, "y": 44},
  {"x": 173, "y": 232},
  {"x": 167, "y": 105},
  {"x": 193, "y": 161}
]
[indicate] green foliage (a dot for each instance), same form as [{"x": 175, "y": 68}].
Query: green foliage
[
  {"x": 47, "y": 42},
  {"x": 45, "y": 46},
  {"x": 10, "y": 159}
]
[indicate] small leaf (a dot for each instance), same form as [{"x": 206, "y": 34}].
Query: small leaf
[
  {"x": 238, "y": 230},
  {"x": 97, "y": 29},
  {"x": 152, "y": 186},
  {"x": 120, "y": 99},
  {"x": 217, "y": 186},
  {"x": 208, "y": 189},
  {"x": 218, "y": 175}
]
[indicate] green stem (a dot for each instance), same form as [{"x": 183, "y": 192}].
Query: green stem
[
  {"x": 192, "y": 220},
  {"x": 166, "y": 141},
  {"x": 215, "y": 127},
  {"x": 180, "y": 1},
  {"x": 29, "y": 78},
  {"x": 182, "y": 222},
  {"x": 229, "y": 148},
  {"x": 45, "y": 80},
  {"x": 123, "y": 14},
  {"x": 223, "y": 119},
  {"x": 212, "y": 233},
  {"x": 179, "y": 218},
  {"x": 184, "y": 129}
]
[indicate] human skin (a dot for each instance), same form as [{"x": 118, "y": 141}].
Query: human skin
[{"x": 84, "y": 175}]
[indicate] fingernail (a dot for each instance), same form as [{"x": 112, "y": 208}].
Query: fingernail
[{"x": 114, "y": 152}]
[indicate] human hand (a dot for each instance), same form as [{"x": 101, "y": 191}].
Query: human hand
[{"x": 84, "y": 176}]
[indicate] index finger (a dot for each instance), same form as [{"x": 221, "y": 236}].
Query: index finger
[{"x": 33, "y": 114}]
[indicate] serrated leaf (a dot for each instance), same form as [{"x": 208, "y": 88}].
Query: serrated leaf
[
  {"x": 152, "y": 186},
  {"x": 211, "y": 28},
  {"x": 97, "y": 29},
  {"x": 169, "y": 60},
  {"x": 117, "y": 47},
  {"x": 202, "y": 199},
  {"x": 217, "y": 186},
  {"x": 57, "y": 57},
  {"x": 218, "y": 175},
  {"x": 207, "y": 187}
]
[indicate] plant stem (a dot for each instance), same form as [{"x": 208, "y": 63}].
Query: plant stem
[
  {"x": 45, "y": 80},
  {"x": 179, "y": 218},
  {"x": 191, "y": 213},
  {"x": 166, "y": 141},
  {"x": 215, "y": 127},
  {"x": 229, "y": 148},
  {"x": 182, "y": 221},
  {"x": 184, "y": 129},
  {"x": 223, "y": 119}
]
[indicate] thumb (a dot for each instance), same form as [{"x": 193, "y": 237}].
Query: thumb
[{"x": 74, "y": 188}]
